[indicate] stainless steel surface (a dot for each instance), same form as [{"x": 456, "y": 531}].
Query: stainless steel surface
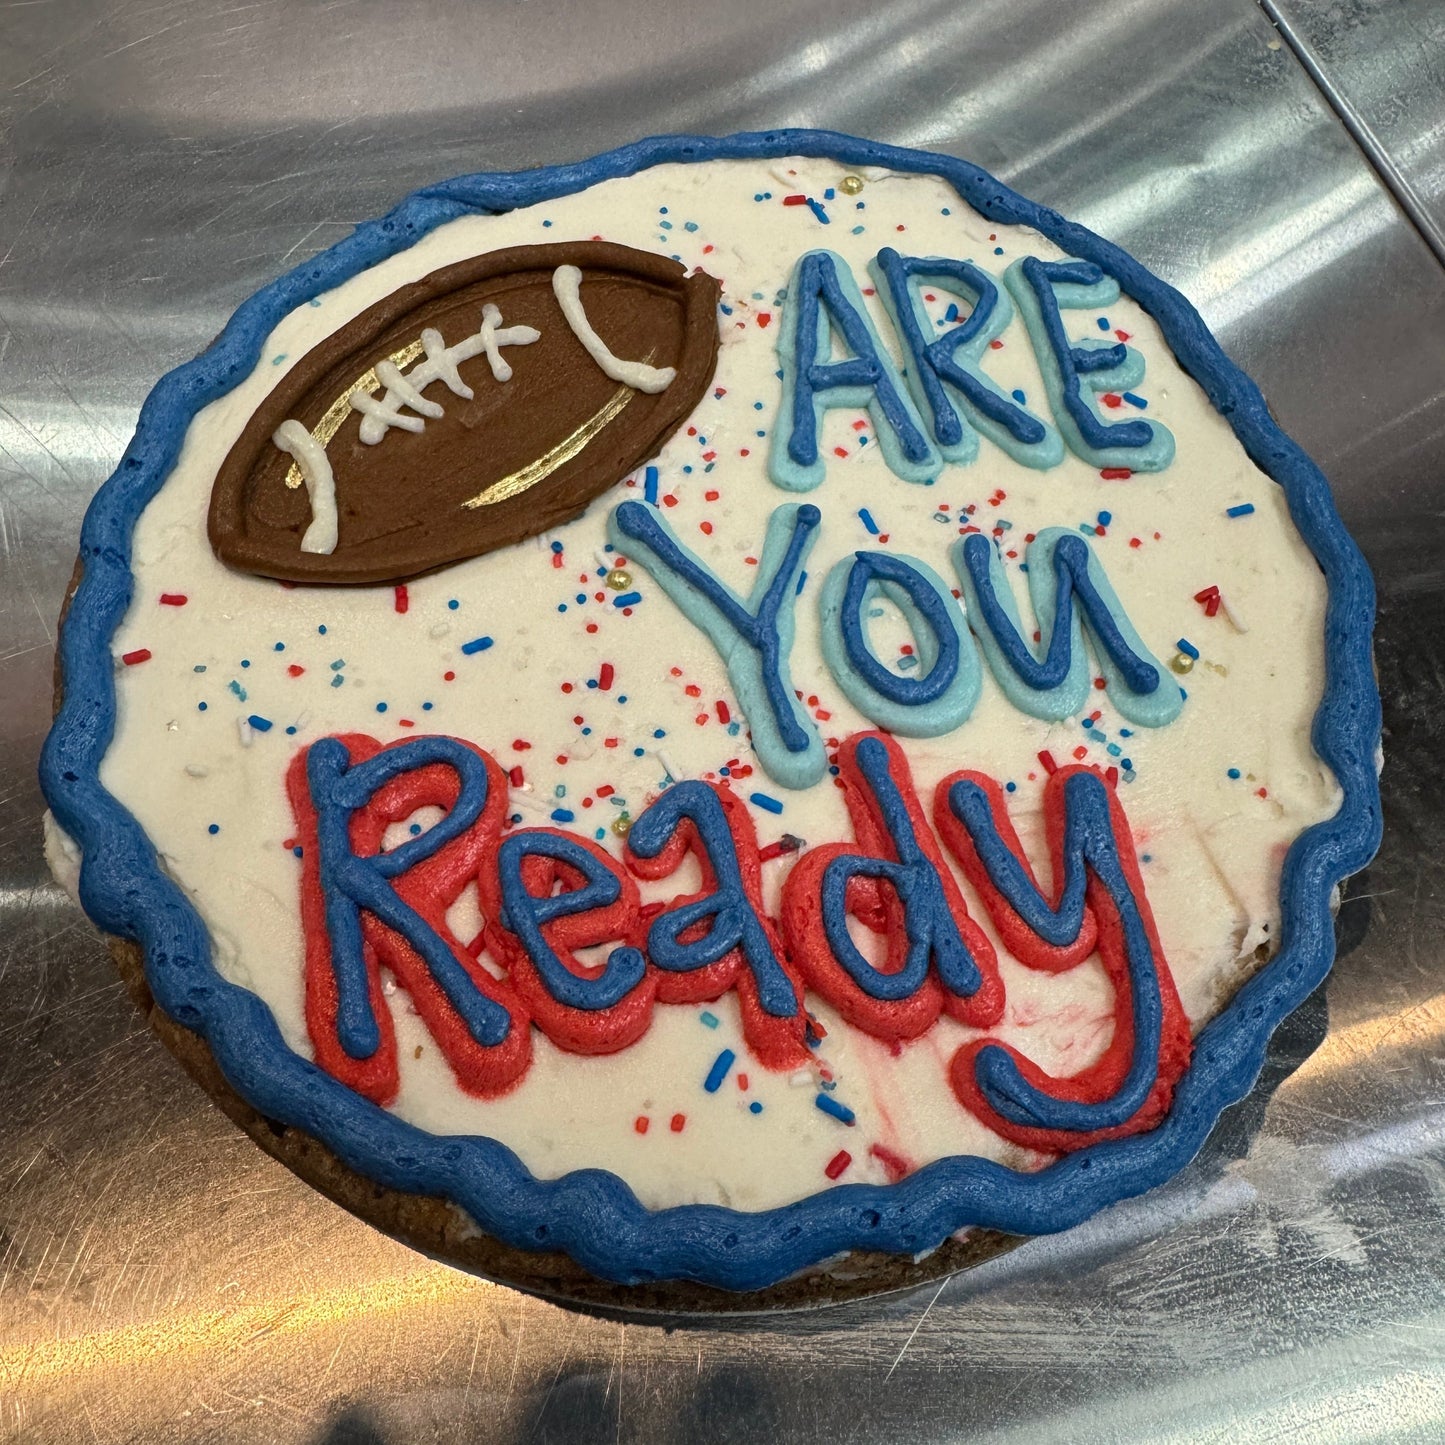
[
  {"x": 1381, "y": 63},
  {"x": 161, "y": 1280}
]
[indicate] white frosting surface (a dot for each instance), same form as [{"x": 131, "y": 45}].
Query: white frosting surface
[{"x": 190, "y": 756}]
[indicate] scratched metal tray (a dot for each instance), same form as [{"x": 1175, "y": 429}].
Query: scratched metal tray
[{"x": 161, "y": 1280}]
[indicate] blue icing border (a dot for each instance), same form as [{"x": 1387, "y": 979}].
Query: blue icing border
[{"x": 592, "y": 1214}]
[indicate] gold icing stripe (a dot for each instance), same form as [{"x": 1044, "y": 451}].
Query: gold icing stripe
[
  {"x": 562, "y": 453},
  {"x": 339, "y": 409}
]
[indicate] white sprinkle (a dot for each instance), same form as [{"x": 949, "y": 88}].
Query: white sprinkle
[
  {"x": 525, "y": 798},
  {"x": 439, "y": 629},
  {"x": 197, "y": 770},
  {"x": 1235, "y": 620},
  {"x": 675, "y": 773},
  {"x": 246, "y": 731}
]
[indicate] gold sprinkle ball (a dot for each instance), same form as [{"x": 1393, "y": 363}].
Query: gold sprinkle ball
[
  {"x": 619, "y": 579},
  {"x": 622, "y": 826},
  {"x": 851, "y": 185},
  {"x": 1182, "y": 663}
]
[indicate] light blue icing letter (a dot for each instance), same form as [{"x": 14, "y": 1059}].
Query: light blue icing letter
[
  {"x": 1044, "y": 290},
  {"x": 946, "y": 372},
  {"x": 1062, "y": 571},
  {"x": 824, "y": 298},
  {"x": 753, "y": 638},
  {"x": 942, "y": 696}
]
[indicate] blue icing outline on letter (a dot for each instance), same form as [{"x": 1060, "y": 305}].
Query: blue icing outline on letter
[
  {"x": 1044, "y": 290},
  {"x": 591, "y": 1214},
  {"x": 1088, "y": 840},
  {"x": 946, "y": 691},
  {"x": 822, "y": 295},
  {"x": 1058, "y": 685},
  {"x": 960, "y": 396},
  {"x": 753, "y": 638},
  {"x": 934, "y": 937},
  {"x": 525, "y": 913},
  {"x": 734, "y": 923},
  {"x": 351, "y": 884}
]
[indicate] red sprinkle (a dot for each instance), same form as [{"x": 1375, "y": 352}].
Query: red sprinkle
[
  {"x": 557, "y": 559},
  {"x": 1047, "y": 759},
  {"x": 838, "y": 1163},
  {"x": 604, "y": 677},
  {"x": 141, "y": 654},
  {"x": 678, "y": 1123},
  {"x": 402, "y": 600},
  {"x": 1110, "y": 398},
  {"x": 174, "y": 599},
  {"x": 518, "y": 746},
  {"x": 449, "y": 677},
  {"x": 1206, "y": 594},
  {"x": 795, "y": 200},
  {"x": 640, "y": 1123},
  {"x": 1116, "y": 474},
  {"x": 724, "y": 714},
  {"x": 742, "y": 1081},
  {"x": 515, "y": 776},
  {"x": 295, "y": 670}
]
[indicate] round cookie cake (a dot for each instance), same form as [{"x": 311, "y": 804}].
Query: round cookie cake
[{"x": 762, "y": 713}]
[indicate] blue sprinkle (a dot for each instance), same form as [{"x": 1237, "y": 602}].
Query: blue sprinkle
[
  {"x": 1010, "y": 787},
  {"x": 337, "y": 680},
  {"x": 719, "y": 1071},
  {"x": 562, "y": 815},
  {"x": 453, "y": 605},
  {"x": 638, "y": 752},
  {"x": 245, "y": 662},
  {"x": 659, "y": 732},
  {"x": 627, "y": 599},
  {"x": 199, "y": 667},
  {"x": 214, "y": 828},
  {"x": 689, "y": 225},
  {"x": 1242, "y": 510},
  {"x": 1105, "y": 518},
  {"x": 755, "y": 1107},
  {"x": 1126, "y": 732},
  {"x": 1113, "y": 749},
  {"x": 415, "y": 829},
  {"x": 816, "y": 208},
  {"x": 1127, "y": 764},
  {"x": 297, "y": 851},
  {"x": 649, "y": 486},
  {"x": 291, "y": 731},
  {"x": 952, "y": 313},
  {"x": 261, "y": 724},
  {"x": 581, "y": 598},
  {"x": 709, "y": 1018},
  {"x": 771, "y": 805},
  {"x": 322, "y": 629},
  {"x": 426, "y": 707},
  {"x": 477, "y": 644},
  {"x": 338, "y": 664},
  {"x": 1103, "y": 323},
  {"x": 857, "y": 230},
  {"x": 802, "y": 578},
  {"x": 1019, "y": 396},
  {"x": 381, "y": 707},
  {"x": 556, "y": 546},
  {"x": 828, "y": 194},
  {"x": 866, "y": 517},
  {"x": 280, "y": 647},
  {"x": 561, "y": 607},
  {"x": 1134, "y": 399},
  {"x": 1187, "y": 648},
  {"x": 831, "y": 1106},
  {"x": 1234, "y": 772},
  {"x": 998, "y": 250}
]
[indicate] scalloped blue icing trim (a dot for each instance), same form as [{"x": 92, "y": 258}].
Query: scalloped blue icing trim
[{"x": 591, "y": 1214}]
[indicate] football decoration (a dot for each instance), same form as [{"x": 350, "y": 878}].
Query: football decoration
[{"x": 485, "y": 403}]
